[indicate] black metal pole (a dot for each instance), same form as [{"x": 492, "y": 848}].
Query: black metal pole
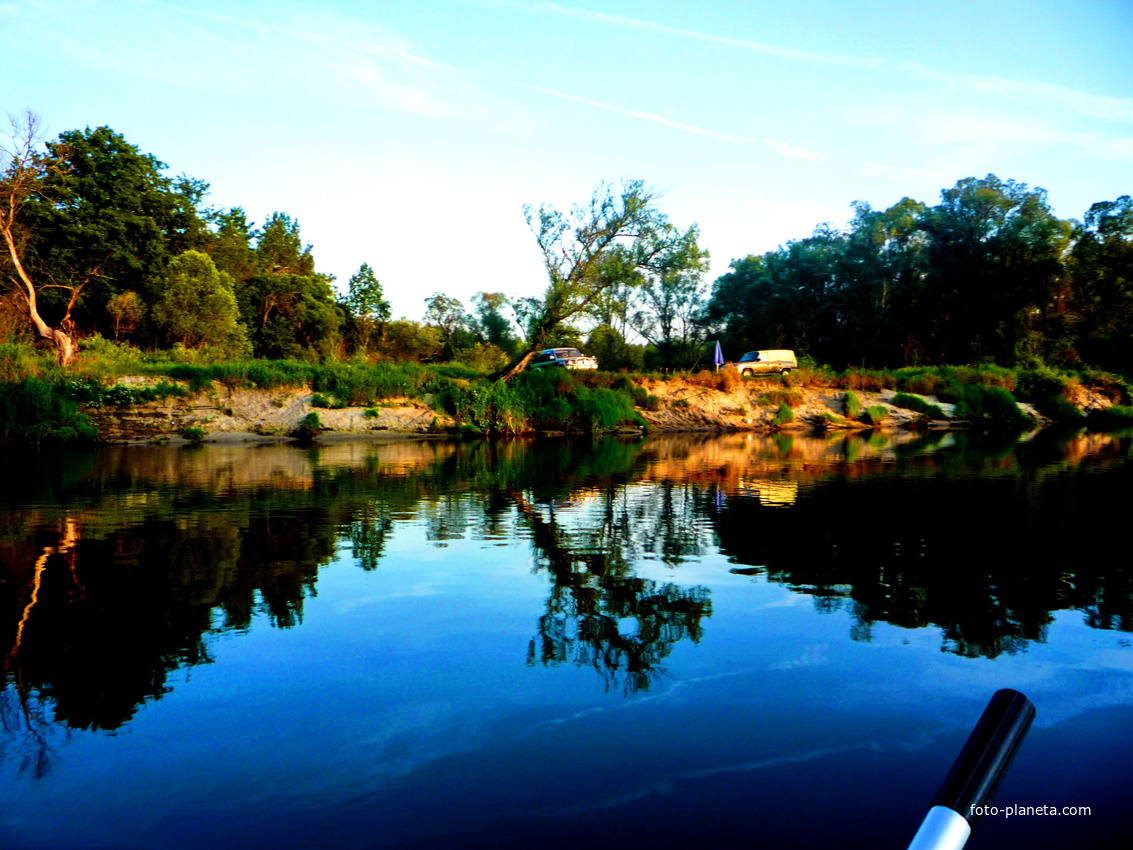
[{"x": 976, "y": 773}]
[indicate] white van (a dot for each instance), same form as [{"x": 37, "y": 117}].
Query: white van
[{"x": 768, "y": 361}]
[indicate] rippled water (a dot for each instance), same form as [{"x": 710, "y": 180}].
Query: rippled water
[{"x": 728, "y": 641}]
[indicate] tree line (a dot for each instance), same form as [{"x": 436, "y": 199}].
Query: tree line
[
  {"x": 989, "y": 274},
  {"x": 102, "y": 243}
]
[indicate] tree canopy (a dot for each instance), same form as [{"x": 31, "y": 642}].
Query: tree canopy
[{"x": 987, "y": 274}]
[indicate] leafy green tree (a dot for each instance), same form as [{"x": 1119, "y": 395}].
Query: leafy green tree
[
  {"x": 576, "y": 245},
  {"x": 290, "y": 310},
  {"x": 994, "y": 256},
  {"x": 613, "y": 352},
  {"x": 126, "y": 310},
  {"x": 1101, "y": 265},
  {"x": 108, "y": 218},
  {"x": 198, "y": 308},
  {"x": 879, "y": 277},
  {"x": 279, "y": 249},
  {"x": 492, "y": 326},
  {"x": 406, "y": 341},
  {"x": 447, "y": 316},
  {"x": 291, "y": 315},
  {"x": 368, "y": 310},
  {"x": 670, "y": 296},
  {"x": 232, "y": 248}
]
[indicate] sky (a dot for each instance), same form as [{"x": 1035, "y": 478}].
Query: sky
[{"x": 410, "y": 135}]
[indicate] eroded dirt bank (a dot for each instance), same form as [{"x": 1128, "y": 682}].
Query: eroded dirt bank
[{"x": 224, "y": 414}]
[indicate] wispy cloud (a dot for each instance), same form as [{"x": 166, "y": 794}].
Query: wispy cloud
[
  {"x": 652, "y": 26},
  {"x": 357, "y": 57},
  {"x": 774, "y": 145},
  {"x": 1048, "y": 94},
  {"x": 1031, "y": 92}
]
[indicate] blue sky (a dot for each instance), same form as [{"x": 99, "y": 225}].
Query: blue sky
[{"x": 410, "y": 135}]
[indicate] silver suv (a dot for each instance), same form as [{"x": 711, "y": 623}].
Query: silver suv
[{"x": 570, "y": 358}]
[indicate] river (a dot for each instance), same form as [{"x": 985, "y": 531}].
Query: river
[{"x": 725, "y": 641}]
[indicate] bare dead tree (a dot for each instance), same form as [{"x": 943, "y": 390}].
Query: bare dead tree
[{"x": 20, "y": 182}]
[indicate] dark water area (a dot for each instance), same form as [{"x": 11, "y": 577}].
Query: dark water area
[{"x": 733, "y": 641}]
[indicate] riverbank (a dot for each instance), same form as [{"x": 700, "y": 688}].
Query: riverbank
[{"x": 227, "y": 414}]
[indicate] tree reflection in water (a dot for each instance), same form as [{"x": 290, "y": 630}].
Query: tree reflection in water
[
  {"x": 599, "y": 613},
  {"x": 124, "y": 565}
]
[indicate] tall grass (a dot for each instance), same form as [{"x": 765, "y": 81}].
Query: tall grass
[
  {"x": 35, "y": 410},
  {"x": 918, "y": 404},
  {"x": 540, "y": 401}
]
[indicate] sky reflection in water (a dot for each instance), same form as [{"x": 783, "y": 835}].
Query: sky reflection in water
[{"x": 424, "y": 644}]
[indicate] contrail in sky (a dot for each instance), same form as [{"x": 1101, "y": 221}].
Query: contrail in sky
[{"x": 1048, "y": 94}]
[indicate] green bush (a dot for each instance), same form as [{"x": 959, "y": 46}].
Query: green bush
[
  {"x": 784, "y": 415},
  {"x": 36, "y": 410},
  {"x": 194, "y": 435},
  {"x": 1114, "y": 418},
  {"x": 990, "y": 404},
  {"x": 308, "y": 428},
  {"x": 320, "y": 400},
  {"x": 541, "y": 400},
  {"x": 918, "y": 404},
  {"x": 875, "y": 414},
  {"x": 851, "y": 404}
]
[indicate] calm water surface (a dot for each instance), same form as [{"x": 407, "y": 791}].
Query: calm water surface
[{"x": 732, "y": 641}]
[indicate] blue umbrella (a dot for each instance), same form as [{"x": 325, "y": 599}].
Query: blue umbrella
[{"x": 718, "y": 357}]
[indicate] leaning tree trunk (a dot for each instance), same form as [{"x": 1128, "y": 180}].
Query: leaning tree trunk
[
  {"x": 518, "y": 366},
  {"x": 65, "y": 348}
]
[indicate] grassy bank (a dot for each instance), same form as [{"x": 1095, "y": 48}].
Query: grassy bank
[{"x": 39, "y": 402}]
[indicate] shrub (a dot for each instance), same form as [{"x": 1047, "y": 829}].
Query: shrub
[
  {"x": 308, "y": 428},
  {"x": 320, "y": 400},
  {"x": 918, "y": 404},
  {"x": 811, "y": 376},
  {"x": 789, "y": 397},
  {"x": 1116, "y": 417},
  {"x": 35, "y": 410},
  {"x": 784, "y": 415},
  {"x": 866, "y": 379},
  {"x": 851, "y": 404},
  {"x": 990, "y": 404},
  {"x": 645, "y": 399},
  {"x": 19, "y": 361},
  {"x": 920, "y": 381},
  {"x": 724, "y": 380},
  {"x": 193, "y": 435},
  {"x": 680, "y": 403},
  {"x": 875, "y": 414}
]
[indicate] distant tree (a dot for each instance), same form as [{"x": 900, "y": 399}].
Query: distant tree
[
  {"x": 126, "y": 310},
  {"x": 197, "y": 306},
  {"x": 1101, "y": 266},
  {"x": 577, "y": 249},
  {"x": 612, "y": 350},
  {"x": 492, "y": 325},
  {"x": 410, "y": 342},
  {"x": 279, "y": 249},
  {"x": 447, "y": 316},
  {"x": 290, "y": 310},
  {"x": 994, "y": 257},
  {"x": 670, "y": 296},
  {"x": 367, "y": 308},
  {"x": 232, "y": 249}
]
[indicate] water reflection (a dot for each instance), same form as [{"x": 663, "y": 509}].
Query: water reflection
[
  {"x": 599, "y": 613},
  {"x": 120, "y": 566}
]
